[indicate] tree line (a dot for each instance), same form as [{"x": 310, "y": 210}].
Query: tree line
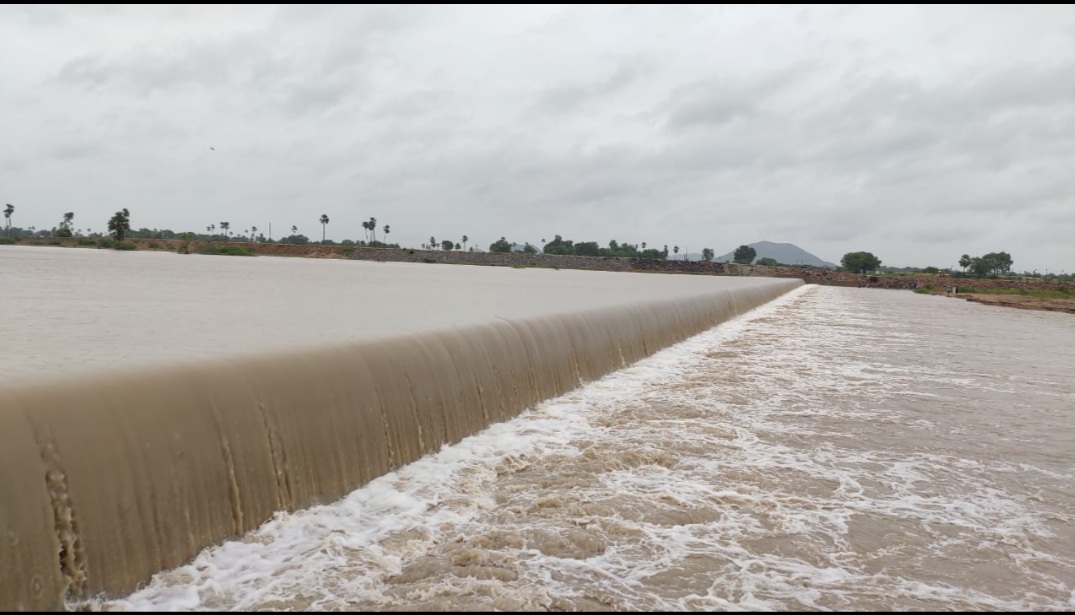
[
  {"x": 992, "y": 264},
  {"x": 119, "y": 227}
]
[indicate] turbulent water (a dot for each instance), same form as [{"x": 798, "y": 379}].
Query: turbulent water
[{"x": 835, "y": 449}]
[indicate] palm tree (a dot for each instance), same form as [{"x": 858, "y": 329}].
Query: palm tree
[
  {"x": 432, "y": 242},
  {"x": 120, "y": 224},
  {"x": 373, "y": 229},
  {"x": 294, "y": 230},
  {"x": 67, "y": 218},
  {"x": 10, "y": 209},
  {"x": 465, "y": 238},
  {"x": 324, "y": 223},
  {"x": 224, "y": 226},
  {"x": 253, "y": 231},
  {"x": 964, "y": 262},
  {"x": 643, "y": 245},
  {"x": 386, "y": 229},
  {"x": 675, "y": 250}
]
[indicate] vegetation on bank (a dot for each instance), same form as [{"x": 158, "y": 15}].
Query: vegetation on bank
[
  {"x": 993, "y": 265},
  {"x": 1057, "y": 293},
  {"x": 212, "y": 250}
]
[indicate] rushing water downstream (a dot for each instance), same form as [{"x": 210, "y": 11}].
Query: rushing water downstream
[{"x": 834, "y": 449}]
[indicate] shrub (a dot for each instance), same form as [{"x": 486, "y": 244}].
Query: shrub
[
  {"x": 105, "y": 242},
  {"x": 212, "y": 250},
  {"x": 125, "y": 245}
]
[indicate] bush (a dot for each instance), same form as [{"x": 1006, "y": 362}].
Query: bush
[
  {"x": 153, "y": 245},
  {"x": 212, "y": 250},
  {"x": 7, "y": 241},
  {"x": 104, "y": 242},
  {"x": 125, "y": 245},
  {"x": 86, "y": 242}
]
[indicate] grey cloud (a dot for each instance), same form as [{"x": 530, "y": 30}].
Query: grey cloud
[
  {"x": 75, "y": 150},
  {"x": 635, "y": 123},
  {"x": 250, "y": 68},
  {"x": 717, "y": 101},
  {"x": 206, "y": 65},
  {"x": 568, "y": 98}
]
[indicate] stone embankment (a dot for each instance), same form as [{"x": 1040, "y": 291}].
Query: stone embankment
[{"x": 810, "y": 276}]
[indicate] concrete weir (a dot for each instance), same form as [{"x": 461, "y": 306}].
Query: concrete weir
[{"x": 107, "y": 477}]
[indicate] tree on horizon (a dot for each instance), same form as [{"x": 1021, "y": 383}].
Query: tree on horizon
[
  {"x": 324, "y": 223},
  {"x": 501, "y": 245},
  {"x": 744, "y": 255},
  {"x": 120, "y": 224},
  {"x": 860, "y": 262},
  {"x": 10, "y": 209}
]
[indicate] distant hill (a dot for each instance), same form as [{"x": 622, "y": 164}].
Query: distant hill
[{"x": 784, "y": 253}]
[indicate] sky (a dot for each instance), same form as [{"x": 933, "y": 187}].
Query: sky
[{"x": 917, "y": 133}]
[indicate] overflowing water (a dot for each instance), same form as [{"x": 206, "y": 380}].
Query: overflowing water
[
  {"x": 835, "y": 449},
  {"x": 163, "y": 403}
]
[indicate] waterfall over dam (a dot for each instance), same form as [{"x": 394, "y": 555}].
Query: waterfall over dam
[{"x": 151, "y": 419}]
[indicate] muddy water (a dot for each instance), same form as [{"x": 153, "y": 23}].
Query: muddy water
[
  {"x": 93, "y": 311},
  {"x": 153, "y": 405},
  {"x": 835, "y": 449}
]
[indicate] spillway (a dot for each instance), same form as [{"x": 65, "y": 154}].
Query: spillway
[{"x": 175, "y": 402}]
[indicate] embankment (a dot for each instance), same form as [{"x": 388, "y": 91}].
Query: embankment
[
  {"x": 106, "y": 479},
  {"x": 823, "y": 277}
]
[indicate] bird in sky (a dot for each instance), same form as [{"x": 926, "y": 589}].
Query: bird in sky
[{"x": 212, "y": 148}]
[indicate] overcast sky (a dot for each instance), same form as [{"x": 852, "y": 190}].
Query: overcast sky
[{"x": 915, "y": 133}]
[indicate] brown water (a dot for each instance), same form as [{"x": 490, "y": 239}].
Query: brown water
[
  {"x": 156, "y": 404},
  {"x": 836, "y": 449},
  {"x": 86, "y": 310}
]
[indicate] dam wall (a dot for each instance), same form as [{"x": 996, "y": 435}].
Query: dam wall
[{"x": 109, "y": 478}]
